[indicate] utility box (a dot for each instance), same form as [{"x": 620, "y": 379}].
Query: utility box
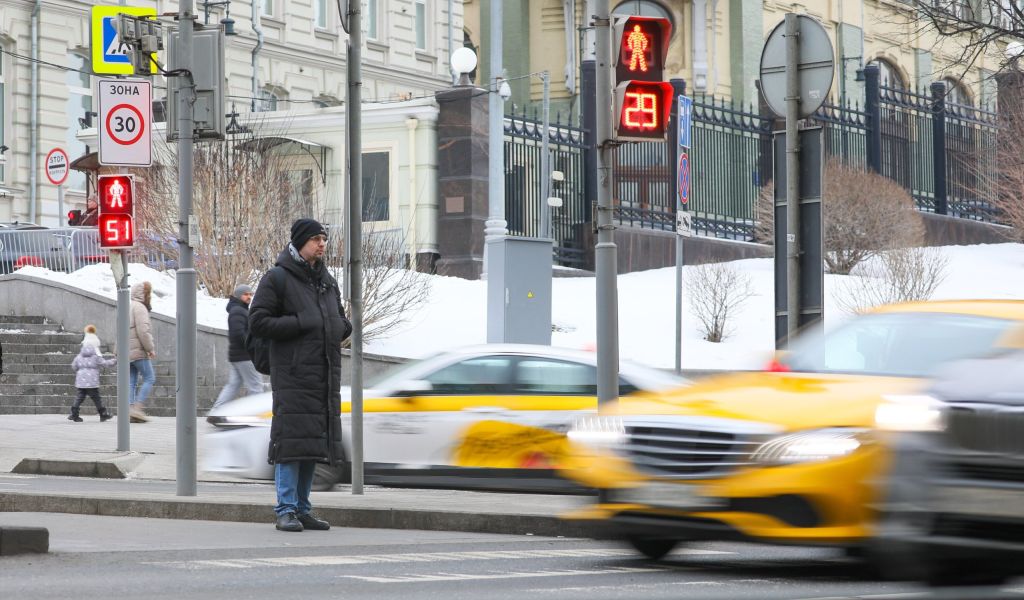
[
  {"x": 519, "y": 290},
  {"x": 208, "y": 72}
]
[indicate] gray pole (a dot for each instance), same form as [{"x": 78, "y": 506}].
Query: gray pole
[
  {"x": 60, "y": 201},
  {"x": 495, "y": 225},
  {"x": 354, "y": 111},
  {"x": 679, "y": 303},
  {"x": 545, "y": 160},
  {"x": 123, "y": 364},
  {"x": 123, "y": 326},
  {"x": 792, "y": 176},
  {"x": 605, "y": 255},
  {"x": 185, "y": 360}
]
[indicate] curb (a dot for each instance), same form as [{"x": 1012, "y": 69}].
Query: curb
[
  {"x": 384, "y": 518},
  {"x": 115, "y": 467},
  {"x": 24, "y": 540}
]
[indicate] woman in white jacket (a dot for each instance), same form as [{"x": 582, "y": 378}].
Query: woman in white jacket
[{"x": 141, "y": 351}]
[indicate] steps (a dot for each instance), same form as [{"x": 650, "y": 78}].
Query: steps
[{"x": 38, "y": 378}]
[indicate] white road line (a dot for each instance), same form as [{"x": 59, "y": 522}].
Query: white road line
[
  {"x": 426, "y": 557},
  {"x": 513, "y": 575}
]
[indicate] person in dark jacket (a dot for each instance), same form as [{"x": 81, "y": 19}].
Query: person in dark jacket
[
  {"x": 300, "y": 312},
  {"x": 241, "y": 371}
]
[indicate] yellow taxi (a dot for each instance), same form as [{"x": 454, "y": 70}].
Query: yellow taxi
[{"x": 795, "y": 454}]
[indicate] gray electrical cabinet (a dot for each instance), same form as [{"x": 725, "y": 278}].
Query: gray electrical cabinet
[
  {"x": 519, "y": 290},
  {"x": 208, "y": 73}
]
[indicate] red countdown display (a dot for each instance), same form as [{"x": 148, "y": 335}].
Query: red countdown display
[
  {"x": 117, "y": 211},
  {"x": 643, "y": 101},
  {"x": 643, "y": 108}
]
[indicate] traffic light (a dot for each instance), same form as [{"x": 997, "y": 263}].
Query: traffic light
[
  {"x": 117, "y": 211},
  {"x": 643, "y": 100},
  {"x": 74, "y": 217}
]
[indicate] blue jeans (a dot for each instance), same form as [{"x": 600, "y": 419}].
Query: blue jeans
[
  {"x": 143, "y": 366},
  {"x": 293, "y": 481},
  {"x": 239, "y": 374}
]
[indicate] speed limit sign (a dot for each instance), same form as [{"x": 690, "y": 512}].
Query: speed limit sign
[{"x": 125, "y": 122}]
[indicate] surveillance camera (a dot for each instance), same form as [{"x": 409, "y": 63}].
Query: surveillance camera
[{"x": 504, "y": 90}]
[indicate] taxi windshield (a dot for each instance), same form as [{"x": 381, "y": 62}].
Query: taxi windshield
[{"x": 896, "y": 344}]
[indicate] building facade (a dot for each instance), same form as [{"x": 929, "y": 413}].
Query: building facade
[{"x": 284, "y": 57}]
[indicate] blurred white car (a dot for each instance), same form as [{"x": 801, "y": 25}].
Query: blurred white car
[{"x": 491, "y": 415}]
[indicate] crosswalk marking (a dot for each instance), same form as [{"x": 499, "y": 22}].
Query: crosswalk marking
[
  {"x": 512, "y": 575},
  {"x": 425, "y": 557}
]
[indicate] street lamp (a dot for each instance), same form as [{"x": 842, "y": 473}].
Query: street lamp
[{"x": 463, "y": 62}]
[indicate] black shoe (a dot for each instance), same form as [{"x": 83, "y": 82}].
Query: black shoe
[
  {"x": 106, "y": 417},
  {"x": 289, "y": 522},
  {"x": 309, "y": 521},
  {"x": 75, "y": 418}
]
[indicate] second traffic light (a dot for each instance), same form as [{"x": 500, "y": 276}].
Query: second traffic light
[
  {"x": 117, "y": 211},
  {"x": 643, "y": 100}
]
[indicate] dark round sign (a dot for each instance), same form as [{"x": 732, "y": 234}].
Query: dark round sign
[{"x": 816, "y": 67}]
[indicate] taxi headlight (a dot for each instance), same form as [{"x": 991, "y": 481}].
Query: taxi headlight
[
  {"x": 910, "y": 413},
  {"x": 597, "y": 432},
  {"x": 810, "y": 446}
]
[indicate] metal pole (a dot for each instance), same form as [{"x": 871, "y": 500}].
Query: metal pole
[
  {"x": 545, "y": 160},
  {"x": 495, "y": 225},
  {"x": 60, "y": 201},
  {"x": 679, "y": 304},
  {"x": 792, "y": 176},
  {"x": 355, "y": 218},
  {"x": 605, "y": 255},
  {"x": 185, "y": 360},
  {"x": 123, "y": 364}
]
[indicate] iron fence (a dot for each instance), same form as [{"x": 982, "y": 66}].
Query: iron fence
[
  {"x": 524, "y": 184},
  {"x": 68, "y": 249},
  {"x": 972, "y": 162}
]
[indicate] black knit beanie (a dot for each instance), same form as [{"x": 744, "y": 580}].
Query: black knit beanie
[{"x": 303, "y": 229}]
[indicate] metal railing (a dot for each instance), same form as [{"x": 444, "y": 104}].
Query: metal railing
[{"x": 68, "y": 249}]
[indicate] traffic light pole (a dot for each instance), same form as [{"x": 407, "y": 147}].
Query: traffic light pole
[
  {"x": 123, "y": 364},
  {"x": 605, "y": 255},
  {"x": 354, "y": 113},
  {"x": 185, "y": 374},
  {"x": 792, "y": 176}
]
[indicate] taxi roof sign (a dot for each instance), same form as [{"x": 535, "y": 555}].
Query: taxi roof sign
[{"x": 107, "y": 55}]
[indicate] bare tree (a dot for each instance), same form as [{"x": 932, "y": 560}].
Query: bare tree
[
  {"x": 716, "y": 292},
  {"x": 863, "y": 214},
  {"x": 977, "y": 27},
  {"x": 898, "y": 275},
  {"x": 245, "y": 198}
]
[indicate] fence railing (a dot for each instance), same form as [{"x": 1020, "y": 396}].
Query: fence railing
[
  {"x": 524, "y": 200},
  {"x": 67, "y": 249}
]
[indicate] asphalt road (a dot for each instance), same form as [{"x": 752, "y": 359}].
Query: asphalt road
[{"x": 94, "y": 557}]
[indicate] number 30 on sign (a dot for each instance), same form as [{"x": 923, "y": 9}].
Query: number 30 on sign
[{"x": 125, "y": 122}]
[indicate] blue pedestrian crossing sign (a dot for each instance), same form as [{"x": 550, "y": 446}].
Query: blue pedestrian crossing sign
[
  {"x": 108, "y": 57},
  {"x": 685, "y": 121}
]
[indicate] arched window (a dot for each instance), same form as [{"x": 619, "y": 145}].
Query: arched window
[
  {"x": 956, "y": 93},
  {"x": 642, "y": 8},
  {"x": 889, "y": 76},
  {"x": 271, "y": 98}
]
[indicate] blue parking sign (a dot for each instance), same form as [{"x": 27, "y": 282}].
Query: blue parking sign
[{"x": 685, "y": 120}]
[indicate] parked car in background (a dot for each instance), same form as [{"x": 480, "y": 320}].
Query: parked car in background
[
  {"x": 485, "y": 416},
  {"x": 796, "y": 455},
  {"x": 954, "y": 509},
  {"x": 26, "y": 244}
]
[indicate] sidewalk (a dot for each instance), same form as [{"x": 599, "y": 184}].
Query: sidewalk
[{"x": 150, "y": 490}]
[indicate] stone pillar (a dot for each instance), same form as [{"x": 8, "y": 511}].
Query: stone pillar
[{"x": 462, "y": 156}]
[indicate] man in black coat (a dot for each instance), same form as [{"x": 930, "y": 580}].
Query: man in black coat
[
  {"x": 298, "y": 308},
  {"x": 241, "y": 371}
]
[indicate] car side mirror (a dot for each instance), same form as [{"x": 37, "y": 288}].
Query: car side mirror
[{"x": 413, "y": 387}]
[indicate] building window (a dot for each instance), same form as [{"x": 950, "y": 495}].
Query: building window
[
  {"x": 79, "y": 104},
  {"x": 300, "y": 192},
  {"x": 321, "y": 13},
  {"x": 267, "y": 8},
  {"x": 372, "y": 19},
  {"x": 956, "y": 93},
  {"x": 889, "y": 76},
  {"x": 268, "y": 101},
  {"x": 421, "y": 24},
  {"x": 376, "y": 170}
]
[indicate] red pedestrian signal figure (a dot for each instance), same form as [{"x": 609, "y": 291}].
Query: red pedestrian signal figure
[
  {"x": 637, "y": 44},
  {"x": 117, "y": 211}
]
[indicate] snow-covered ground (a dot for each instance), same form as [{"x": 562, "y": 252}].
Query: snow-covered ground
[{"x": 455, "y": 312}]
